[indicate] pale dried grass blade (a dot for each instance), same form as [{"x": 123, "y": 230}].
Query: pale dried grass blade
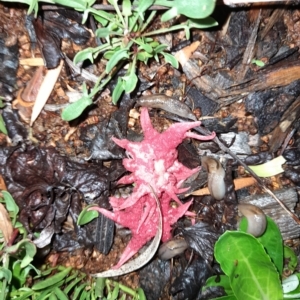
[
  {"x": 32, "y": 62},
  {"x": 5, "y": 224},
  {"x": 45, "y": 91}
]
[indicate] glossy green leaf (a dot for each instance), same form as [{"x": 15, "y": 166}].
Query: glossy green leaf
[
  {"x": 2, "y": 125},
  {"x": 252, "y": 274},
  {"x": 74, "y": 110},
  {"x": 118, "y": 91},
  {"x": 116, "y": 58},
  {"x": 273, "y": 243},
  {"x": 51, "y": 280},
  {"x": 291, "y": 258},
  {"x": 169, "y": 58},
  {"x": 87, "y": 216}
]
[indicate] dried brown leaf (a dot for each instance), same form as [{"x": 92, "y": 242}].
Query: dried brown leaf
[
  {"x": 5, "y": 224},
  {"x": 185, "y": 54}
]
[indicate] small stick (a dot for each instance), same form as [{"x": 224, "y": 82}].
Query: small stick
[{"x": 239, "y": 183}]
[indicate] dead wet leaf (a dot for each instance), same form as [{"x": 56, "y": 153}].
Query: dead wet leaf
[
  {"x": 5, "y": 224},
  {"x": 45, "y": 91}
]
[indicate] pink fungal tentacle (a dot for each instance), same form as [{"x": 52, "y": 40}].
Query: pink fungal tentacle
[{"x": 200, "y": 137}]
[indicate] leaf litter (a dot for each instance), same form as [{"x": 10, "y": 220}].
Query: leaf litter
[{"x": 52, "y": 184}]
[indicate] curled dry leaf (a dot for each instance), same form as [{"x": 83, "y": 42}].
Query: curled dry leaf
[
  {"x": 5, "y": 224},
  {"x": 184, "y": 54}
]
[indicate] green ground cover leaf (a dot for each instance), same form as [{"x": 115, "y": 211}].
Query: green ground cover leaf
[{"x": 250, "y": 270}]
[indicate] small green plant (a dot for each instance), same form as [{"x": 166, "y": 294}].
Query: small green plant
[
  {"x": 253, "y": 267},
  {"x": 128, "y": 39},
  {"x": 128, "y": 42},
  {"x": 17, "y": 253}
]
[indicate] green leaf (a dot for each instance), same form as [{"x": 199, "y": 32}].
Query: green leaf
[
  {"x": 141, "y": 294},
  {"x": 51, "y": 280},
  {"x": 258, "y": 62},
  {"x": 73, "y": 283},
  {"x": 202, "y": 23},
  {"x": 294, "y": 293},
  {"x": 83, "y": 55},
  {"x": 30, "y": 250},
  {"x": 79, "y": 290},
  {"x": 273, "y": 243},
  {"x": 191, "y": 8},
  {"x": 87, "y": 216},
  {"x": 169, "y": 58},
  {"x": 2, "y": 125},
  {"x": 60, "y": 294},
  {"x": 24, "y": 245},
  {"x": 115, "y": 292},
  {"x": 126, "y": 8},
  {"x": 143, "y": 56},
  {"x": 102, "y": 32},
  {"x": 1, "y": 102},
  {"x": 5, "y": 273},
  {"x": 74, "y": 110},
  {"x": 251, "y": 272},
  {"x": 11, "y": 206},
  {"x": 99, "y": 287},
  {"x": 118, "y": 90},
  {"x": 52, "y": 296},
  {"x": 160, "y": 48},
  {"x": 116, "y": 58},
  {"x": 220, "y": 280},
  {"x": 291, "y": 258},
  {"x": 130, "y": 81},
  {"x": 142, "y": 6}
]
